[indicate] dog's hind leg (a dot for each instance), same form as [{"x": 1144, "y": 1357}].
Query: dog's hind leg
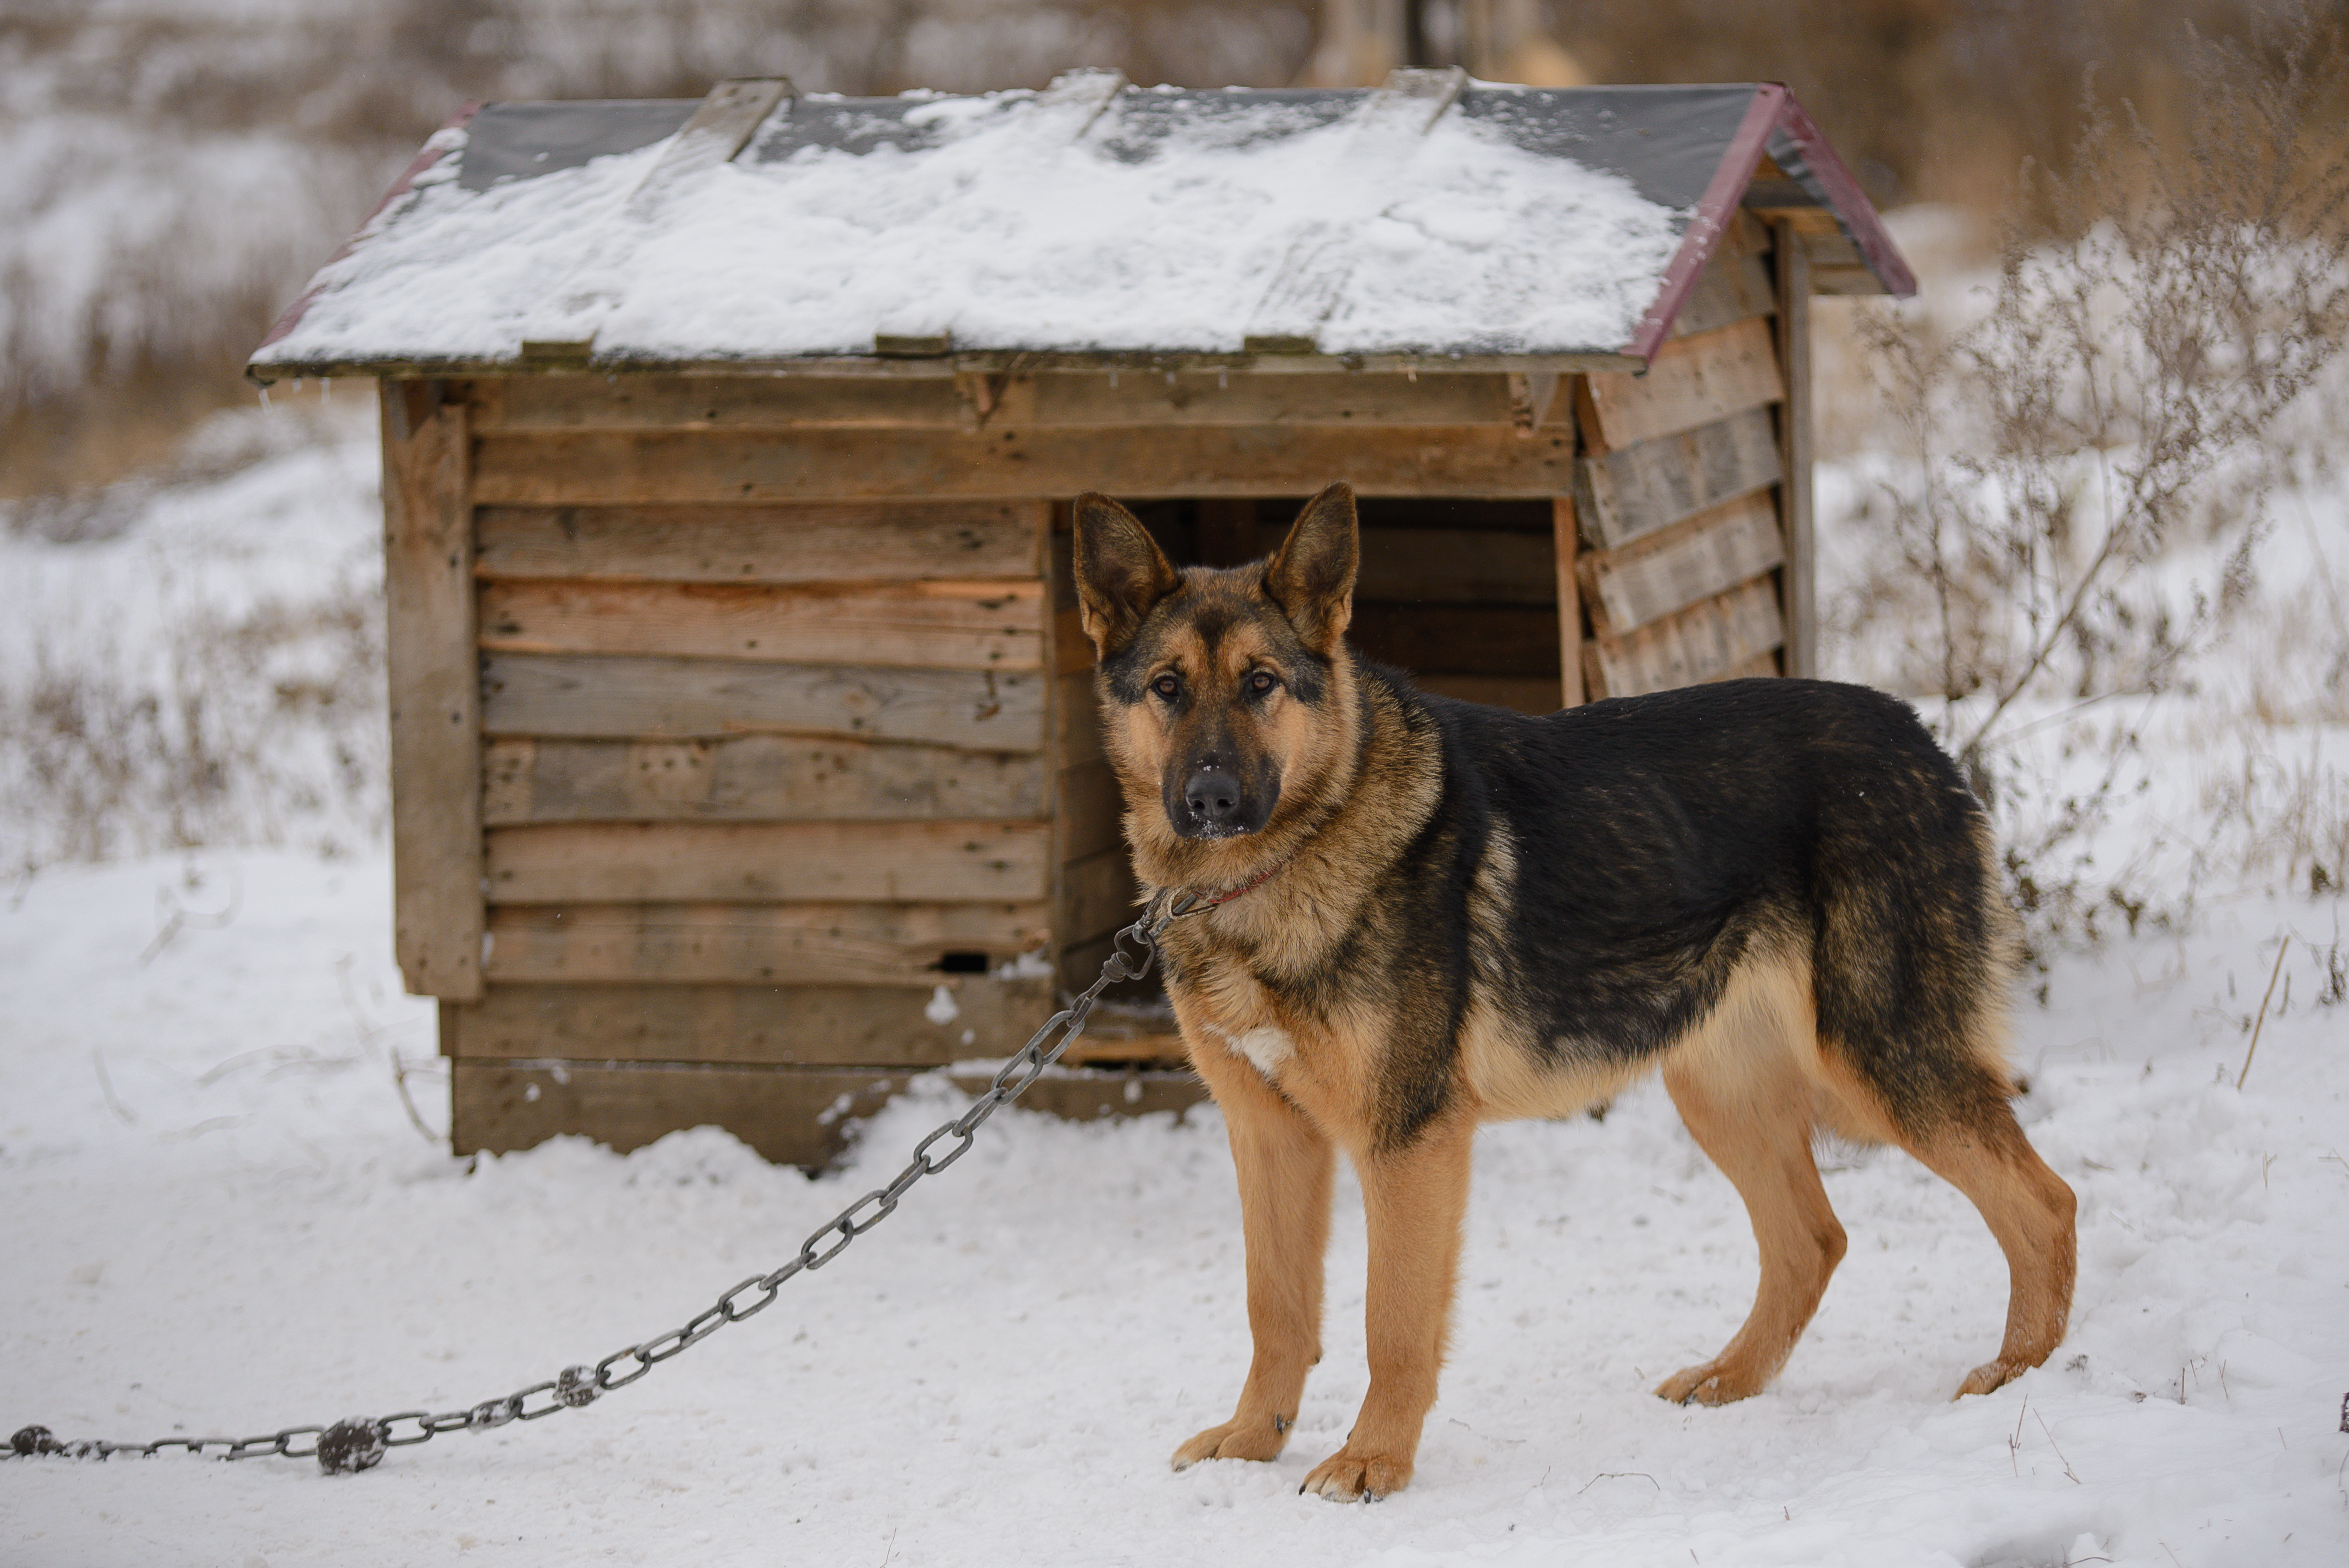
[
  {"x": 1286, "y": 1169},
  {"x": 1413, "y": 1198},
  {"x": 1749, "y": 1105},
  {"x": 1981, "y": 1152}
]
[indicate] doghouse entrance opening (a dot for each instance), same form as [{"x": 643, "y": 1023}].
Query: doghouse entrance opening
[{"x": 1461, "y": 594}]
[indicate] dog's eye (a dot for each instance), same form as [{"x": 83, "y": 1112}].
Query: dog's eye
[
  {"x": 1167, "y": 686},
  {"x": 1262, "y": 682}
]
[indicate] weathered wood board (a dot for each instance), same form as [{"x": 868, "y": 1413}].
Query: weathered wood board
[
  {"x": 1796, "y": 283},
  {"x": 582, "y": 695},
  {"x": 655, "y": 402},
  {"x": 1623, "y": 496},
  {"x": 895, "y": 944},
  {"x": 1695, "y": 559},
  {"x": 1694, "y": 381},
  {"x": 754, "y": 778},
  {"x": 1698, "y": 644},
  {"x": 1211, "y": 398},
  {"x": 843, "y": 542},
  {"x": 1565, "y": 548},
  {"x": 1089, "y": 811},
  {"x": 563, "y": 863},
  {"x": 1099, "y": 892},
  {"x": 958, "y": 625},
  {"x": 1732, "y": 288},
  {"x": 792, "y": 1116},
  {"x": 435, "y": 693},
  {"x": 803, "y": 1025},
  {"x": 625, "y": 468},
  {"x": 1077, "y": 736}
]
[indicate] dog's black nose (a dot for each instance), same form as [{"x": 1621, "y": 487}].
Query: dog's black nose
[{"x": 1214, "y": 797}]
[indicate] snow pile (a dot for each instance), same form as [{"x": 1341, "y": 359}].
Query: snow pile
[
  {"x": 221, "y": 1219},
  {"x": 1004, "y": 228}
]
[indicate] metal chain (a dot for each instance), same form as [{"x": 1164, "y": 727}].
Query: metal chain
[{"x": 360, "y": 1442}]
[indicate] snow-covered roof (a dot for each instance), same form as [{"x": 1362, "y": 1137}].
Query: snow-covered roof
[{"x": 1434, "y": 218}]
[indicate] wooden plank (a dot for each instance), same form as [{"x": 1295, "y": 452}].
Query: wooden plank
[
  {"x": 508, "y": 403},
  {"x": 1220, "y": 397},
  {"x": 559, "y": 863},
  {"x": 601, "y": 468},
  {"x": 1091, "y": 810},
  {"x": 1699, "y": 644},
  {"x": 980, "y": 626},
  {"x": 722, "y": 123},
  {"x": 1077, "y": 736},
  {"x": 436, "y": 697},
  {"x": 678, "y": 944},
  {"x": 580, "y": 695},
  {"x": 1801, "y": 575},
  {"x": 1694, "y": 381},
  {"x": 1730, "y": 289},
  {"x": 1565, "y": 543},
  {"x": 1100, "y": 895},
  {"x": 818, "y": 1026},
  {"x": 1460, "y": 639},
  {"x": 1623, "y": 496},
  {"x": 1526, "y": 693},
  {"x": 802, "y": 542},
  {"x": 1696, "y": 559},
  {"x": 1759, "y": 666},
  {"x": 793, "y": 1115},
  {"x": 754, "y": 778}
]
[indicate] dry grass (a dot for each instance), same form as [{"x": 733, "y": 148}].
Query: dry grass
[{"x": 2083, "y": 473}]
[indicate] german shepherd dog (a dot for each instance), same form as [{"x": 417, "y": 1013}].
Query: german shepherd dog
[{"x": 1425, "y": 915}]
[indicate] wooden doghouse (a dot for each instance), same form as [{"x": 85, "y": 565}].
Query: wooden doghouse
[{"x": 745, "y": 759}]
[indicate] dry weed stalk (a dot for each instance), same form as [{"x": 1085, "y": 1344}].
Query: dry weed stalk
[{"x": 2143, "y": 340}]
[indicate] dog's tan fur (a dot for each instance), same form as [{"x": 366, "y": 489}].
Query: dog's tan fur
[{"x": 1304, "y": 1070}]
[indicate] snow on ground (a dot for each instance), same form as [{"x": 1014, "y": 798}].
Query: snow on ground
[{"x": 222, "y": 1219}]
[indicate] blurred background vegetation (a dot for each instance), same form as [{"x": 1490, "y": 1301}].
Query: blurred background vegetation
[
  {"x": 173, "y": 170},
  {"x": 2080, "y": 500}
]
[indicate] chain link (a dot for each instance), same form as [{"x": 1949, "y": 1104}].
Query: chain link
[{"x": 360, "y": 1442}]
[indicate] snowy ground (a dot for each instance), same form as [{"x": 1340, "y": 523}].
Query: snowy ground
[{"x": 221, "y": 1218}]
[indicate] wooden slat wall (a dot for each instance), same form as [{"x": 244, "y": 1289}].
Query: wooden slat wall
[
  {"x": 1692, "y": 488},
  {"x": 799, "y": 744}
]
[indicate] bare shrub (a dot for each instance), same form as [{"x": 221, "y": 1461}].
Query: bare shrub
[
  {"x": 263, "y": 726},
  {"x": 2115, "y": 404}
]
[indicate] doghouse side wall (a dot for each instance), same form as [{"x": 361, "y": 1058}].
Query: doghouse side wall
[{"x": 1692, "y": 491}]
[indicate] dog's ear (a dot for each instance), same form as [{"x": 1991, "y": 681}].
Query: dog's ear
[
  {"x": 1120, "y": 572},
  {"x": 1312, "y": 578}
]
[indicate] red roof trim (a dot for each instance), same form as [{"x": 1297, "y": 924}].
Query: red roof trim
[
  {"x": 425, "y": 159},
  {"x": 1715, "y": 210},
  {"x": 1848, "y": 202}
]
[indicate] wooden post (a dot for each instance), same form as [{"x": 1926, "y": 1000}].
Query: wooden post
[
  {"x": 432, "y": 660},
  {"x": 1570, "y": 602},
  {"x": 1801, "y": 578}
]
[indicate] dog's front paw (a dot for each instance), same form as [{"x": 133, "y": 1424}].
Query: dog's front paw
[
  {"x": 1237, "y": 1439},
  {"x": 1346, "y": 1475},
  {"x": 1714, "y": 1383}
]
